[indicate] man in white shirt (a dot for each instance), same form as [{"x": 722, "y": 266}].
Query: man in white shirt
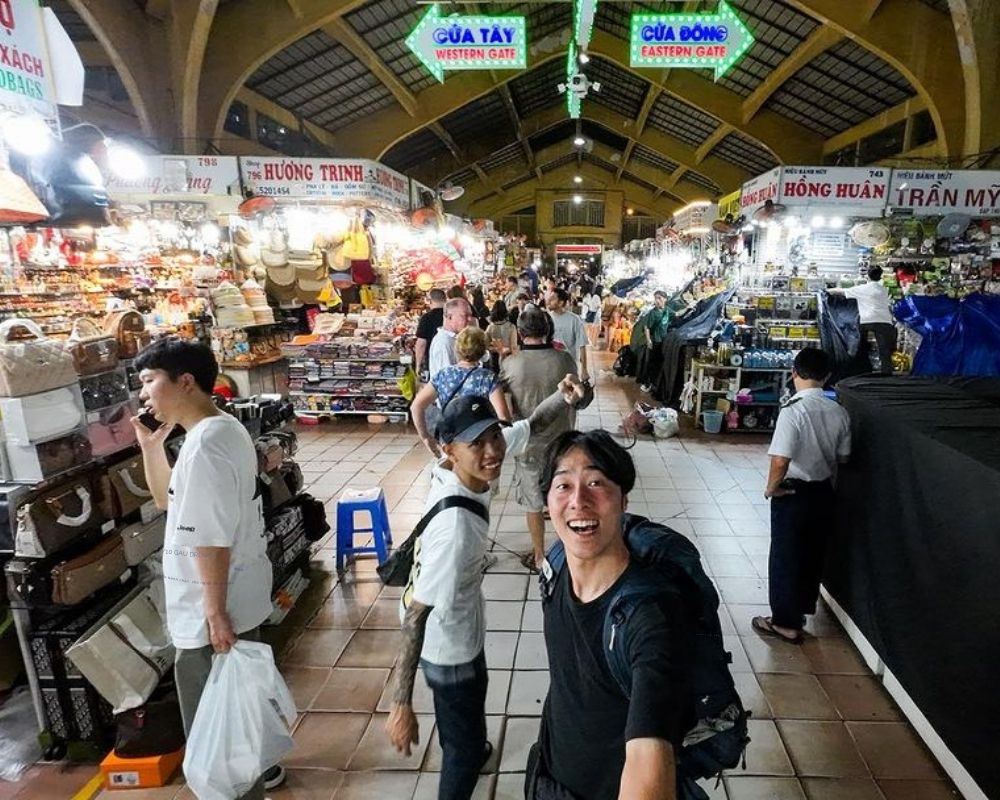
[
  {"x": 812, "y": 436},
  {"x": 443, "y": 610},
  {"x": 216, "y": 574},
  {"x": 568, "y": 329},
  {"x": 457, "y": 315},
  {"x": 873, "y": 310}
]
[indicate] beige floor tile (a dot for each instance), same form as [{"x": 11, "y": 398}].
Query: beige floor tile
[
  {"x": 527, "y": 692},
  {"x": 427, "y": 787},
  {"x": 834, "y": 656},
  {"x": 375, "y": 751},
  {"x": 860, "y": 698},
  {"x": 765, "y": 754},
  {"x": 519, "y": 735},
  {"x": 494, "y": 735},
  {"x": 742, "y": 590},
  {"x": 503, "y": 615},
  {"x": 371, "y": 649},
  {"x": 842, "y": 789},
  {"x": 377, "y": 785},
  {"x": 316, "y": 748},
  {"x": 318, "y": 648},
  {"x": 532, "y": 619},
  {"x": 767, "y": 654},
  {"x": 734, "y": 645},
  {"x": 531, "y": 652},
  {"x": 918, "y": 790},
  {"x": 505, "y": 587},
  {"x": 797, "y": 696},
  {"x": 350, "y": 689},
  {"x": 510, "y": 786},
  {"x": 305, "y": 683},
  {"x": 764, "y": 789},
  {"x": 384, "y": 614},
  {"x": 752, "y": 695},
  {"x": 498, "y": 690},
  {"x": 423, "y": 698},
  {"x": 306, "y": 784},
  {"x": 501, "y": 647},
  {"x": 893, "y": 751},
  {"x": 731, "y": 566},
  {"x": 822, "y": 749}
]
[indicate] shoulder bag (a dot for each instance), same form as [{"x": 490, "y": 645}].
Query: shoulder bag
[
  {"x": 141, "y": 541},
  {"x": 51, "y": 521},
  {"x": 129, "y": 328},
  {"x": 78, "y": 578},
  {"x": 34, "y": 365},
  {"x": 93, "y": 350},
  {"x": 129, "y": 490}
]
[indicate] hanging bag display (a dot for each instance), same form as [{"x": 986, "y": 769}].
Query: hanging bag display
[
  {"x": 362, "y": 272},
  {"x": 356, "y": 245},
  {"x": 30, "y": 366},
  {"x": 127, "y": 653},
  {"x": 141, "y": 541},
  {"x": 60, "y": 515},
  {"x": 78, "y": 578},
  {"x": 93, "y": 350},
  {"x": 129, "y": 328},
  {"x": 129, "y": 490},
  {"x": 110, "y": 430},
  {"x": 18, "y": 204},
  {"x": 276, "y": 253}
]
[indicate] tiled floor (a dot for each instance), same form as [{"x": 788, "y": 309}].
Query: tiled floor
[{"x": 822, "y": 726}]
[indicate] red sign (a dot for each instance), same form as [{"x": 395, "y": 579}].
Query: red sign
[{"x": 579, "y": 249}]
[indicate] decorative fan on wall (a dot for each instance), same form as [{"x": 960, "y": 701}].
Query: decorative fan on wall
[
  {"x": 770, "y": 212},
  {"x": 953, "y": 226},
  {"x": 870, "y": 234}
]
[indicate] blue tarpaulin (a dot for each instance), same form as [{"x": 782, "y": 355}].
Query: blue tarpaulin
[{"x": 960, "y": 337}]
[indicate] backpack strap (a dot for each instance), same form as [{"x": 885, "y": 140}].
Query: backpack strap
[
  {"x": 552, "y": 565},
  {"x": 627, "y": 599},
  {"x": 451, "y": 501}
]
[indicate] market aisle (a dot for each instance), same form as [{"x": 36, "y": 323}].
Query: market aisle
[{"x": 822, "y": 727}]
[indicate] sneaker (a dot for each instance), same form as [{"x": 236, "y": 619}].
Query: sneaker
[
  {"x": 489, "y": 561},
  {"x": 274, "y": 777},
  {"x": 645, "y": 388}
]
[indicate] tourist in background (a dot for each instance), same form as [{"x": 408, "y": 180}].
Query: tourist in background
[
  {"x": 427, "y": 328},
  {"x": 501, "y": 334}
]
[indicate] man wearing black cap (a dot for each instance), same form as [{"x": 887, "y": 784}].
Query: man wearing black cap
[{"x": 443, "y": 608}]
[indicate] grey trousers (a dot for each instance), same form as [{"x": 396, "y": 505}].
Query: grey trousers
[{"x": 191, "y": 669}]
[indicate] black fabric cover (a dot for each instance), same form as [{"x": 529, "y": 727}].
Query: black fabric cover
[
  {"x": 916, "y": 556},
  {"x": 696, "y": 324},
  {"x": 840, "y": 333}
]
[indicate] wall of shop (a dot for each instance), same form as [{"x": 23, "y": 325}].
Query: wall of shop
[{"x": 610, "y": 233}]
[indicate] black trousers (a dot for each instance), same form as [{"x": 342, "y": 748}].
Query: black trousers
[
  {"x": 801, "y": 527},
  {"x": 885, "y": 344}
]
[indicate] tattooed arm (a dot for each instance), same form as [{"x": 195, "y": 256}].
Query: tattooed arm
[{"x": 402, "y": 723}]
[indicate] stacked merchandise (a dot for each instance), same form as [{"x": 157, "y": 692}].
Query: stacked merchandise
[
  {"x": 256, "y": 298},
  {"x": 231, "y": 309}
]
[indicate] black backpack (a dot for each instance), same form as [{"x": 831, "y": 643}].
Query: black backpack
[
  {"x": 625, "y": 363},
  {"x": 719, "y": 738}
]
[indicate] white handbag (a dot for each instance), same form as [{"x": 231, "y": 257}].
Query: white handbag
[
  {"x": 40, "y": 417},
  {"x": 128, "y": 652}
]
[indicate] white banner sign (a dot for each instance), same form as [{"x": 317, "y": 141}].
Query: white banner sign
[
  {"x": 932, "y": 192},
  {"x": 26, "y": 83},
  {"x": 326, "y": 179},
  {"x": 835, "y": 186},
  {"x": 209, "y": 175},
  {"x": 758, "y": 191}
]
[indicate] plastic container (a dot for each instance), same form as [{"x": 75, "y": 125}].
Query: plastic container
[{"x": 713, "y": 421}]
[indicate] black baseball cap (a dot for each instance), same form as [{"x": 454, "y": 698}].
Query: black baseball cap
[{"x": 465, "y": 419}]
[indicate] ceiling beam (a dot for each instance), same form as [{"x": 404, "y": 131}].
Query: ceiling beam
[
  {"x": 889, "y": 117},
  {"x": 640, "y": 125},
  {"x": 728, "y": 176},
  {"x": 515, "y": 119},
  {"x": 237, "y": 46},
  {"x": 282, "y": 115},
  {"x": 561, "y": 179},
  {"x": 672, "y": 181},
  {"x": 342, "y": 32},
  {"x": 919, "y": 42},
  {"x": 709, "y": 144},
  {"x": 439, "y": 130},
  {"x": 817, "y": 42}
]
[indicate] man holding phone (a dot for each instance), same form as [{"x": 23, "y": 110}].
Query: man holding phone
[{"x": 216, "y": 574}]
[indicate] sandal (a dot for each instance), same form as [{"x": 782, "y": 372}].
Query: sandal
[
  {"x": 528, "y": 562},
  {"x": 765, "y": 626}
]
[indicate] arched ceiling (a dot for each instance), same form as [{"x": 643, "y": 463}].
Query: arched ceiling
[{"x": 338, "y": 74}]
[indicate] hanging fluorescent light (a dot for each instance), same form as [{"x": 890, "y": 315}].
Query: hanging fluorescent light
[
  {"x": 584, "y": 58},
  {"x": 124, "y": 161},
  {"x": 27, "y": 134},
  {"x": 577, "y": 179},
  {"x": 579, "y": 141},
  {"x": 577, "y": 199}
]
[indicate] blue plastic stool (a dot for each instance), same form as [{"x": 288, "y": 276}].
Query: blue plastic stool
[{"x": 372, "y": 501}]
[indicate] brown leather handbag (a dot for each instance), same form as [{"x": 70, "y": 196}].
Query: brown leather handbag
[
  {"x": 129, "y": 329},
  {"x": 129, "y": 490},
  {"x": 93, "y": 350},
  {"x": 78, "y": 578},
  {"x": 59, "y": 515}
]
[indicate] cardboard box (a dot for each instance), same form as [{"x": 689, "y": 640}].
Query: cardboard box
[{"x": 140, "y": 773}]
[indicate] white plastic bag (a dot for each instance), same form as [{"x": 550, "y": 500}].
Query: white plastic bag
[
  {"x": 238, "y": 732},
  {"x": 665, "y": 423}
]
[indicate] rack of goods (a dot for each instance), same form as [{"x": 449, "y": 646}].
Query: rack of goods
[{"x": 749, "y": 396}]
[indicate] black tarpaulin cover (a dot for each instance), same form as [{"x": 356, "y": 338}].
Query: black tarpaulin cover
[{"x": 916, "y": 556}]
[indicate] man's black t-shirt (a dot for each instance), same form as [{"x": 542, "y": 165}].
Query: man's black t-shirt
[
  {"x": 427, "y": 328},
  {"x": 587, "y": 720}
]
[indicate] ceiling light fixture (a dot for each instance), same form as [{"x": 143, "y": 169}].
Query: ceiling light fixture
[
  {"x": 579, "y": 141},
  {"x": 577, "y": 179},
  {"x": 577, "y": 199},
  {"x": 122, "y": 159},
  {"x": 27, "y": 134}
]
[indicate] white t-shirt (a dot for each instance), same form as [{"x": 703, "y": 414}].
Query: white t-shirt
[
  {"x": 815, "y": 433},
  {"x": 211, "y": 503},
  {"x": 873, "y": 302},
  {"x": 570, "y": 330},
  {"x": 447, "y": 572},
  {"x": 441, "y": 353},
  {"x": 593, "y": 303}
]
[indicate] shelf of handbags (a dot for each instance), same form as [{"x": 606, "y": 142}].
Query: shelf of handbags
[{"x": 86, "y": 590}]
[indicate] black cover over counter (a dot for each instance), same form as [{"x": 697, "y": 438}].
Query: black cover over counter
[{"x": 916, "y": 557}]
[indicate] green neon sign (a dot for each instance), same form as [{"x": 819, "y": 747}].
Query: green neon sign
[
  {"x": 690, "y": 41},
  {"x": 468, "y": 42}
]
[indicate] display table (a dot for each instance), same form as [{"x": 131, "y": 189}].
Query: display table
[{"x": 914, "y": 568}]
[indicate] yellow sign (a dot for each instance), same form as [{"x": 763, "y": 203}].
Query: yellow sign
[{"x": 730, "y": 204}]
